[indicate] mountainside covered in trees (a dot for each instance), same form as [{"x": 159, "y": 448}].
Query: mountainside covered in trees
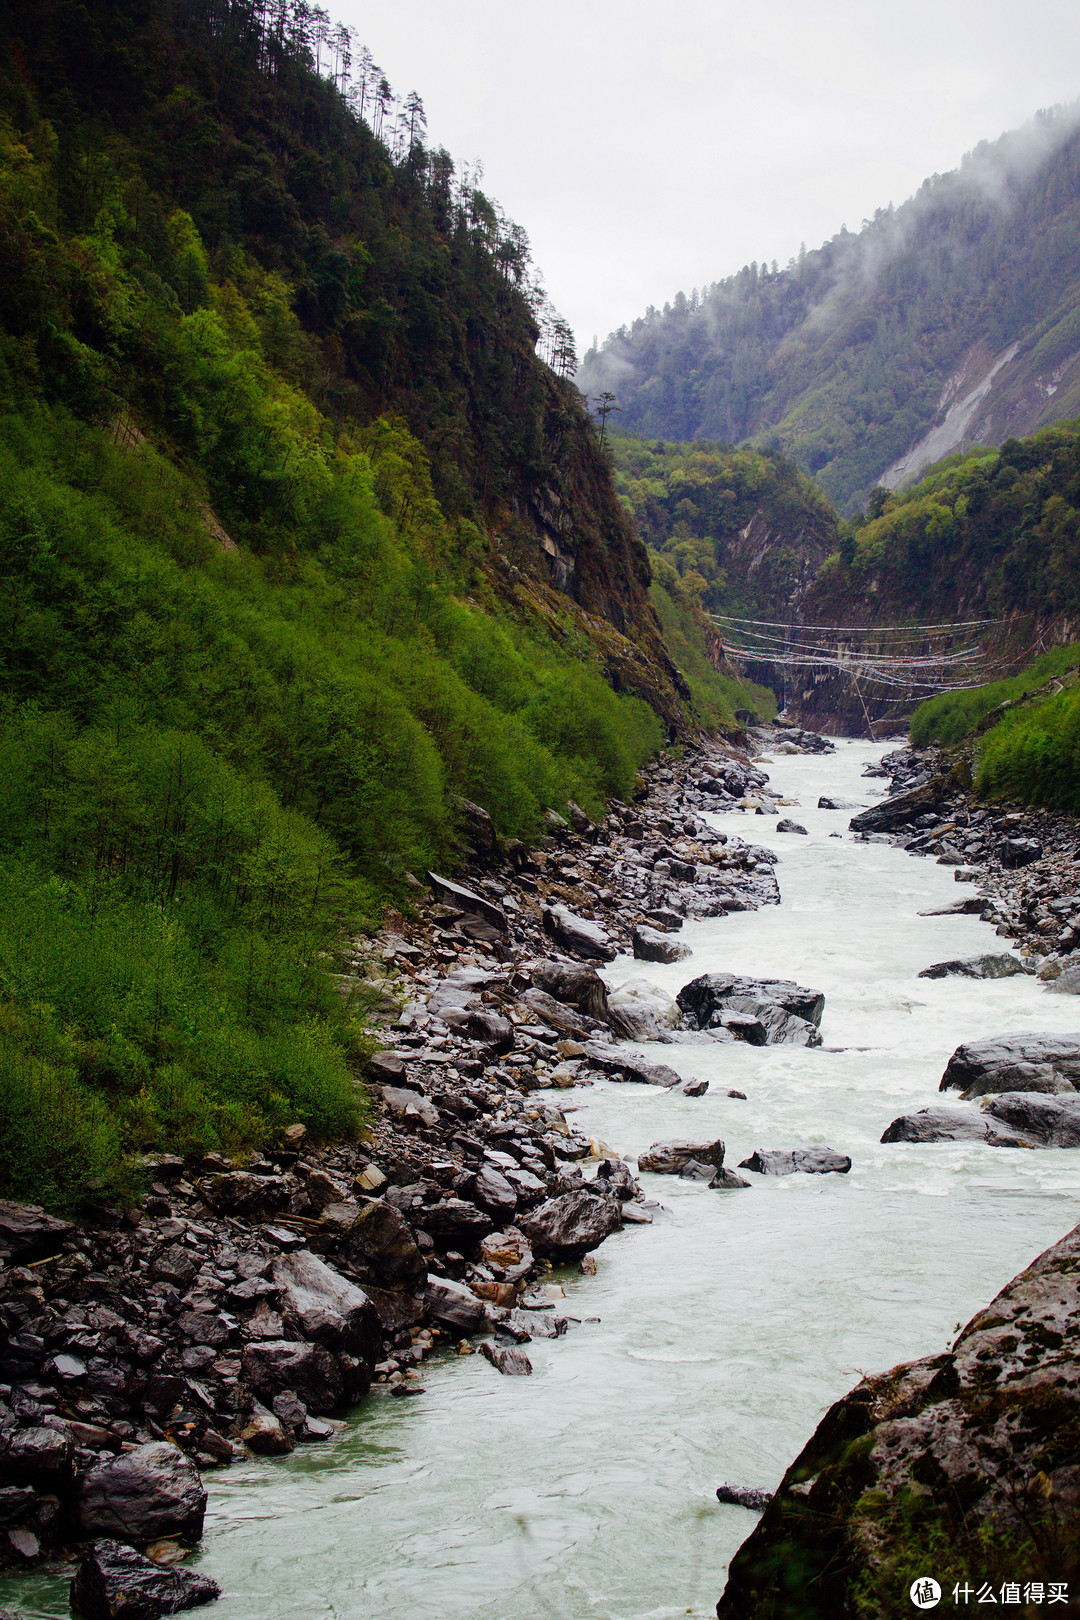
[
  {"x": 949, "y": 321},
  {"x": 305, "y": 537}
]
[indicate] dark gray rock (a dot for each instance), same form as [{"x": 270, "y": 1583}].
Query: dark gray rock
[
  {"x": 1019, "y": 1062},
  {"x": 994, "y": 965},
  {"x": 622, "y": 1064},
  {"x": 27, "y": 1233},
  {"x": 452, "y": 1305},
  {"x": 381, "y": 1240},
  {"x": 786, "y": 825},
  {"x": 454, "y": 894},
  {"x": 249, "y": 1196},
  {"x": 577, "y": 934},
  {"x": 744, "y": 1495},
  {"x": 937, "y": 1125},
  {"x": 572, "y": 982},
  {"x": 456, "y": 1222},
  {"x": 815, "y": 1161},
  {"x": 901, "y": 809},
  {"x": 562, "y": 1017},
  {"x": 385, "y": 1066},
  {"x": 705, "y": 999},
  {"x": 1050, "y": 1121},
  {"x": 141, "y": 1495},
  {"x": 726, "y": 1180},
  {"x": 37, "y": 1456},
  {"x": 567, "y": 1227},
  {"x": 1014, "y": 852},
  {"x": 507, "y": 1359},
  {"x": 491, "y": 1028},
  {"x": 652, "y": 946},
  {"x": 114, "y": 1582},
  {"x": 494, "y": 1193},
  {"x": 827, "y": 802},
  {"x": 668, "y": 1158},
  {"x": 273, "y": 1366},
  {"x": 318, "y": 1303}
]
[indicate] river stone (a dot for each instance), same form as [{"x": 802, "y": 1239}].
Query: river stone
[
  {"x": 668, "y": 1158},
  {"x": 745, "y": 1495},
  {"x": 566, "y": 1227},
  {"x": 1051, "y": 1121},
  {"x": 310, "y": 1372},
  {"x": 567, "y": 1020},
  {"x": 949, "y": 1125},
  {"x": 621, "y": 1064},
  {"x": 650, "y": 945},
  {"x": 1066, "y": 982},
  {"x": 1020, "y": 1062},
  {"x": 901, "y": 808},
  {"x": 318, "y": 1303},
  {"x": 452, "y": 1305},
  {"x": 828, "y": 802},
  {"x": 1014, "y": 852},
  {"x": 491, "y": 1028},
  {"x": 786, "y": 825},
  {"x": 995, "y": 965},
  {"x": 507, "y": 1359},
  {"x": 640, "y": 1011},
  {"x": 114, "y": 1582},
  {"x": 380, "y": 1239},
  {"x": 706, "y": 997},
  {"x": 816, "y": 1161},
  {"x": 574, "y": 933},
  {"x": 410, "y": 1107},
  {"x": 141, "y": 1495},
  {"x": 572, "y": 982},
  {"x": 459, "y": 1223},
  {"x": 492, "y": 1190},
  {"x": 726, "y": 1180},
  {"x": 27, "y": 1233}
]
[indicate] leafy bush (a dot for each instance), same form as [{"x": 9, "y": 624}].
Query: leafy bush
[{"x": 952, "y": 716}]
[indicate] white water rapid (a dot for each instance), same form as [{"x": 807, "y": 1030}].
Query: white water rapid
[{"x": 725, "y": 1329}]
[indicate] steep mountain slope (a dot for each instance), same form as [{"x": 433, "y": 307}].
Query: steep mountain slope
[
  {"x": 950, "y": 321},
  {"x": 305, "y": 552}
]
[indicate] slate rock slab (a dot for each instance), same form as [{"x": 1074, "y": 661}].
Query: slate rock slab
[
  {"x": 668, "y": 1158},
  {"x": 995, "y": 965},
  {"x": 114, "y": 1582},
  {"x": 1018, "y": 1062},
  {"x": 567, "y": 1227},
  {"x": 27, "y": 1233}
]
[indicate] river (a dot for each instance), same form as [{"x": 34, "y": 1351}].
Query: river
[{"x": 711, "y": 1341}]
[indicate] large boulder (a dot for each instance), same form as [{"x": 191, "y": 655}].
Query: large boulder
[
  {"x": 455, "y": 1222},
  {"x": 27, "y": 1233},
  {"x": 410, "y": 1107},
  {"x": 573, "y": 982},
  {"x": 567, "y": 1227},
  {"x": 114, "y": 1582},
  {"x": 493, "y": 1192},
  {"x": 901, "y": 808},
  {"x": 650, "y": 945},
  {"x": 953, "y": 1125},
  {"x": 640, "y": 1011},
  {"x": 318, "y": 1303},
  {"x": 455, "y": 894},
  {"x": 1049, "y": 1121},
  {"x": 577, "y": 934},
  {"x": 37, "y": 1456},
  {"x": 239, "y": 1192},
  {"x": 1013, "y": 852},
  {"x": 621, "y": 1064},
  {"x": 1020, "y": 1062},
  {"x": 763, "y": 1012},
  {"x": 570, "y": 1023},
  {"x": 491, "y": 1028},
  {"x": 814, "y": 1161},
  {"x": 142, "y": 1495},
  {"x": 994, "y": 965},
  {"x": 276, "y": 1366},
  {"x": 380, "y": 1240},
  {"x": 668, "y": 1158},
  {"x": 454, "y": 1306}
]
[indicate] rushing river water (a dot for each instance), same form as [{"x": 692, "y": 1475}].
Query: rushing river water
[{"x": 711, "y": 1342}]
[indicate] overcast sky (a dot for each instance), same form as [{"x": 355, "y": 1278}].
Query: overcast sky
[{"x": 649, "y": 147}]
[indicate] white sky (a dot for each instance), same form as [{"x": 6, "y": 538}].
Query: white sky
[{"x": 648, "y": 147}]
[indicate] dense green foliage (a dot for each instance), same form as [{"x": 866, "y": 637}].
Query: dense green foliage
[
  {"x": 267, "y": 385},
  {"x": 692, "y": 504},
  {"x": 985, "y": 534},
  {"x": 954, "y": 716},
  {"x": 840, "y": 358},
  {"x": 1034, "y": 755}
]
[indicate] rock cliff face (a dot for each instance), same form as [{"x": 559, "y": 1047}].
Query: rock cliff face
[{"x": 963, "y": 1466}]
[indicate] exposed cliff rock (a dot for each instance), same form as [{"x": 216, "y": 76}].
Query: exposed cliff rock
[{"x": 963, "y": 1466}]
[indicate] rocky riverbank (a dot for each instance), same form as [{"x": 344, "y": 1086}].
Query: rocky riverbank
[{"x": 243, "y": 1308}]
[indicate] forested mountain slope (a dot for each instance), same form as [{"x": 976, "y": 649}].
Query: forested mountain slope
[
  {"x": 949, "y": 321},
  {"x": 302, "y": 542}
]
